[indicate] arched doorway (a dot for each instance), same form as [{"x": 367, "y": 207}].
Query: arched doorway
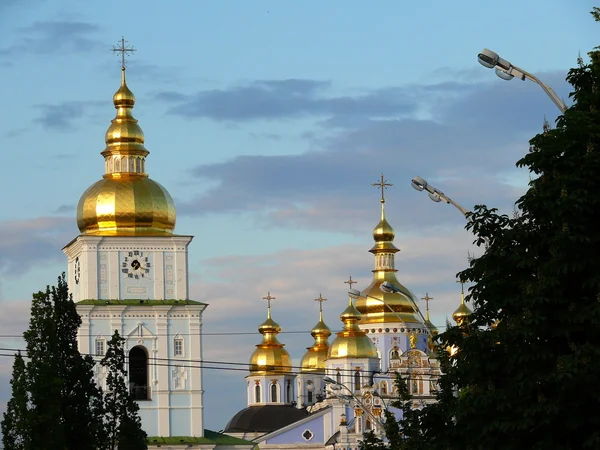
[{"x": 138, "y": 373}]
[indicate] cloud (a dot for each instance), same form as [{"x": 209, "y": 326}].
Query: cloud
[
  {"x": 460, "y": 136},
  {"x": 63, "y": 209},
  {"x": 29, "y": 241},
  {"x": 54, "y": 36},
  {"x": 65, "y": 116},
  {"x": 291, "y": 98}
]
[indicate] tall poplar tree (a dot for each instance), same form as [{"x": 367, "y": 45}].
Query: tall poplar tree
[
  {"x": 63, "y": 408},
  {"x": 15, "y": 426},
  {"x": 121, "y": 420}
]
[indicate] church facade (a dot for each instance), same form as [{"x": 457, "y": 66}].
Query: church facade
[{"x": 340, "y": 389}]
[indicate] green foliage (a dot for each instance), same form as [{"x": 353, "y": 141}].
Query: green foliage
[
  {"x": 15, "y": 426},
  {"x": 530, "y": 381},
  {"x": 121, "y": 419}
]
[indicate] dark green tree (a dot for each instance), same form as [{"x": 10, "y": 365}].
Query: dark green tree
[
  {"x": 15, "y": 426},
  {"x": 526, "y": 373},
  {"x": 121, "y": 419},
  {"x": 63, "y": 409}
]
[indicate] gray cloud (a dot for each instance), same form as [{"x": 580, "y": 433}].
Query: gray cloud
[
  {"x": 292, "y": 98},
  {"x": 65, "y": 116},
  {"x": 53, "y": 36},
  {"x": 471, "y": 141},
  {"x": 63, "y": 209},
  {"x": 33, "y": 240}
]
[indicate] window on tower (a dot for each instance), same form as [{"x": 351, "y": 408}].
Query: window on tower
[
  {"x": 138, "y": 373},
  {"x": 100, "y": 347},
  {"x": 178, "y": 344},
  {"x": 357, "y": 380},
  {"x": 274, "y": 392},
  {"x": 257, "y": 393}
]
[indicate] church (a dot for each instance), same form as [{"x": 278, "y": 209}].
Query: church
[
  {"x": 128, "y": 271},
  {"x": 340, "y": 389}
]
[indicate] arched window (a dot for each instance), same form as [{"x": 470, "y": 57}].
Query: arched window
[
  {"x": 117, "y": 164},
  {"x": 178, "y": 346},
  {"x": 137, "y": 165},
  {"x": 309, "y": 397},
  {"x": 110, "y": 165},
  {"x": 274, "y": 392},
  {"x": 288, "y": 392},
  {"x": 138, "y": 373},
  {"x": 357, "y": 380},
  {"x": 338, "y": 376},
  {"x": 368, "y": 425},
  {"x": 257, "y": 393}
]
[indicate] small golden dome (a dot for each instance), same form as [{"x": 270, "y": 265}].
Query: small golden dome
[
  {"x": 314, "y": 359},
  {"x": 125, "y": 202},
  {"x": 351, "y": 342},
  {"x": 383, "y": 231},
  {"x": 463, "y": 312},
  {"x": 270, "y": 357}
]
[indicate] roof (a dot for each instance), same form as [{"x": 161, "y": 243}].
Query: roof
[
  {"x": 265, "y": 418},
  {"x": 142, "y": 302},
  {"x": 210, "y": 437}
]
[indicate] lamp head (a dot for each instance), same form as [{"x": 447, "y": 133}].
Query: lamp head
[
  {"x": 354, "y": 293},
  {"x": 503, "y": 74},
  {"x": 435, "y": 197},
  {"x": 389, "y": 288},
  {"x": 329, "y": 380},
  {"x": 488, "y": 58},
  {"x": 418, "y": 183}
]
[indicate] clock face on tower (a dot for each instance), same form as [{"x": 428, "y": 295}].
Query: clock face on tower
[
  {"x": 136, "y": 265},
  {"x": 77, "y": 270}
]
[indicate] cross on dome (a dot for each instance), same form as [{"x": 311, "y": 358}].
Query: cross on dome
[
  {"x": 124, "y": 50},
  {"x": 268, "y": 298},
  {"x": 350, "y": 282},
  {"x": 427, "y": 298},
  {"x": 382, "y": 184},
  {"x": 320, "y": 299}
]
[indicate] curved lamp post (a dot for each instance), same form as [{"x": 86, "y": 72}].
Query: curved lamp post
[
  {"x": 505, "y": 70},
  {"x": 435, "y": 194},
  {"x": 336, "y": 385}
]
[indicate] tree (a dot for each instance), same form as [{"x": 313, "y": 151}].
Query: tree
[
  {"x": 15, "y": 427},
  {"x": 526, "y": 372},
  {"x": 55, "y": 402},
  {"x": 121, "y": 420}
]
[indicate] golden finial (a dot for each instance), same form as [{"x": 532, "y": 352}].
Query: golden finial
[
  {"x": 462, "y": 288},
  {"x": 383, "y": 184},
  {"x": 268, "y": 298},
  {"x": 350, "y": 282},
  {"x": 125, "y": 51},
  {"x": 427, "y": 298}
]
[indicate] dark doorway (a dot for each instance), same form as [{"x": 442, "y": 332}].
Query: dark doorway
[{"x": 138, "y": 373}]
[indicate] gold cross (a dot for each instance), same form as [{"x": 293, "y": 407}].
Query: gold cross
[
  {"x": 268, "y": 298},
  {"x": 350, "y": 281},
  {"x": 427, "y": 298},
  {"x": 383, "y": 184},
  {"x": 321, "y": 299},
  {"x": 124, "y": 51},
  {"x": 462, "y": 286}
]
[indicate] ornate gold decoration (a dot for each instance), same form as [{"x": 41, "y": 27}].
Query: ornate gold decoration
[
  {"x": 373, "y": 303},
  {"x": 412, "y": 338},
  {"x": 270, "y": 356},
  {"x": 126, "y": 202},
  {"x": 314, "y": 359},
  {"x": 351, "y": 342}
]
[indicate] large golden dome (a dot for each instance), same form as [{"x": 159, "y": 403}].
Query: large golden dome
[
  {"x": 375, "y": 305},
  {"x": 126, "y": 202},
  {"x": 270, "y": 357},
  {"x": 314, "y": 359},
  {"x": 351, "y": 342}
]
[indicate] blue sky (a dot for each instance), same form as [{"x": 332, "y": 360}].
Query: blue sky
[{"x": 267, "y": 122}]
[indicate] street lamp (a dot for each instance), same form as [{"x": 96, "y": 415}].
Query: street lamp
[
  {"x": 506, "y": 71},
  {"x": 336, "y": 385},
  {"x": 435, "y": 194}
]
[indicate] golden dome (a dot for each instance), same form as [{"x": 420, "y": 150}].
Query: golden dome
[
  {"x": 375, "y": 305},
  {"x": 462, "y": 312},
  {"x": 126, "y": 202},
  {"x": 270, "y": 357},
  {"x": 314, "y": 359},
  {"x": 351, "y": 342}
]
